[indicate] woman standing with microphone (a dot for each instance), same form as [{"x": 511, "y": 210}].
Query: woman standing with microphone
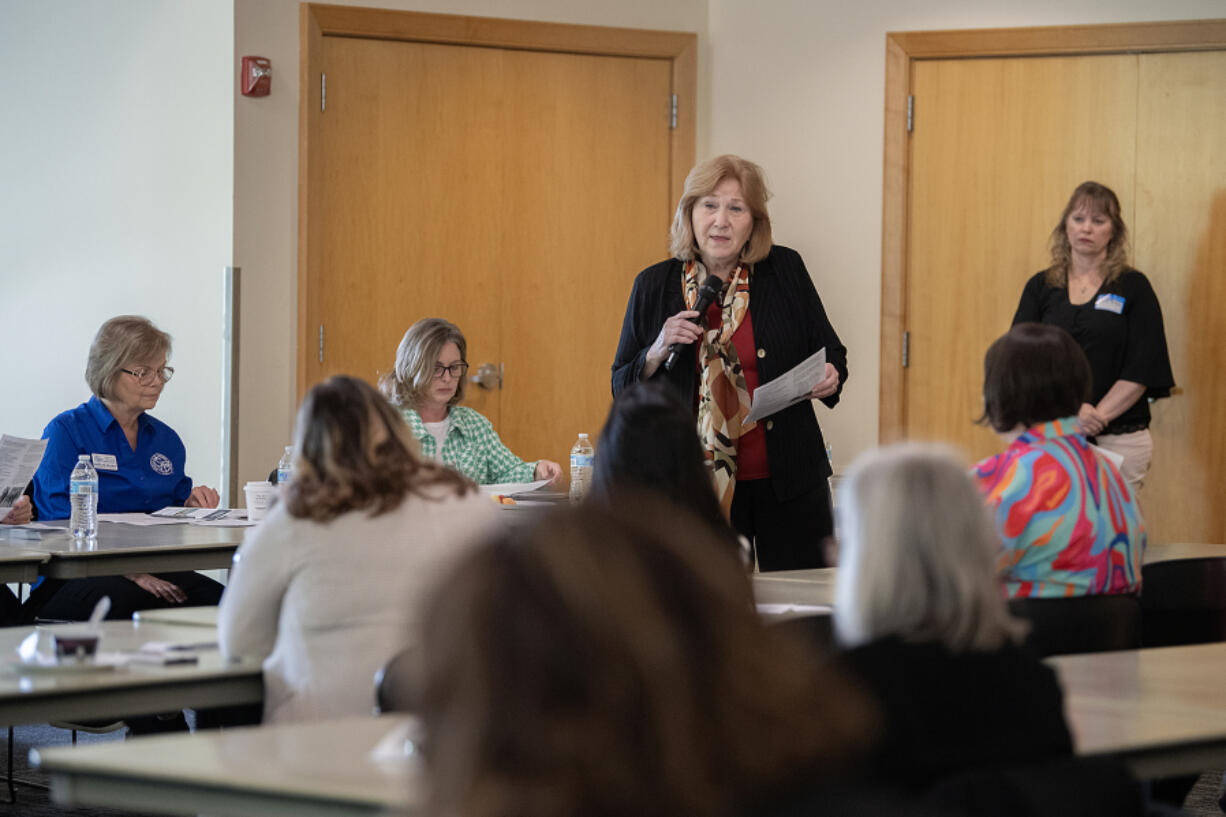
[{"x": 770, "y": 475}]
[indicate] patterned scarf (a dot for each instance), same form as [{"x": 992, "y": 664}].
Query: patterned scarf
[{"x": 723, "y": 396}]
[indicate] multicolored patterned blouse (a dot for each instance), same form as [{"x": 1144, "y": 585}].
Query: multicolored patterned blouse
[
  {"x": 1069, "y": 523},
  {"x": 472, "y": 447}
]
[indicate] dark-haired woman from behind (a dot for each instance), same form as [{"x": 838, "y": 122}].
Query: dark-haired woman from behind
[
  {"x": 607, "y": 662},
  {"x": 326, "y": 588},
  {"x": 649, "y": 443},
  {"x": 1068, "y": 519}
]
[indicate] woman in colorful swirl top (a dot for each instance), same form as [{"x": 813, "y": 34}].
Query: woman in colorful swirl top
[{"x": 1069, "y": 521}]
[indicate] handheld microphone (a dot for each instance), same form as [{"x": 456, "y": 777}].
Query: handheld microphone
[{"x": 711, "y": 291}]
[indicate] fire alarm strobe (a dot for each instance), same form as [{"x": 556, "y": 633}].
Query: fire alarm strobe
[{"x": 257, "y": 76}]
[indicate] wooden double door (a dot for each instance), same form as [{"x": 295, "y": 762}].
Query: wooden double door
[
  {"x": 514, "y": 192},
  {"x": 997, "y": 147}
]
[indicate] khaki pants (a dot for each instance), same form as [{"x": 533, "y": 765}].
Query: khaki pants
[{"x": 1136, "y": 448}]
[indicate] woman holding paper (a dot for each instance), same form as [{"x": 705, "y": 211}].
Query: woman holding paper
[
  {"x": 770, "y": 475},
  {"x": 426, "y": 384},
  {"x": 1112, "y": 312},
  {"x": 139, "y": 460}
]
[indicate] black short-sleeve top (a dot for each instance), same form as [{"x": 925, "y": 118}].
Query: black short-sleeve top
[{"x": 1120, "y": 330}]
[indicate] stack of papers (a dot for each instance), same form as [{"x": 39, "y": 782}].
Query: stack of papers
[{"x": 207, "y": 517}]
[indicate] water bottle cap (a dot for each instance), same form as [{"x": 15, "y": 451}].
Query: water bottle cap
[
  {"x": 583, "y": 435},
  {"x": 83, "y": 458},
  {"x": 289, "y": 449}
]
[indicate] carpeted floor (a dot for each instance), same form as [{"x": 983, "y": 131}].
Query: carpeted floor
[
  {"x": 35, "y": 801},
  {"x": 1202, "y": 800}
]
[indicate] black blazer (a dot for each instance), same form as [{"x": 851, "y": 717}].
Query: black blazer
[{"x": 789, "y": 324}]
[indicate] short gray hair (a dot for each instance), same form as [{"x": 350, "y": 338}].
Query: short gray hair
[
  {"x": 919, "y": 554},
  {"x": 122, "y": 341}
]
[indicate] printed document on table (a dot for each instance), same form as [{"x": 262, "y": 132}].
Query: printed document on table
[
  {"x": 512, "y": 488},
  {"x": 208, "y": 517},
  {"x": 143, "y": 520},
  {"x": 19, "y": 459},
  {"x": 789, "y": 388}
]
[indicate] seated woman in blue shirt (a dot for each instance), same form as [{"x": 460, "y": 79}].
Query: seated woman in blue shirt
[{"x": 139, "y": 460}]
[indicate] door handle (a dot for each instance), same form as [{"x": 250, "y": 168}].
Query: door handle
[{"x": 488, "y": 376}]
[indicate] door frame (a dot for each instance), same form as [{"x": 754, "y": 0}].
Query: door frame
[
  {"x": 317, "y": 21},
  {"x": 902, "y": 50}
]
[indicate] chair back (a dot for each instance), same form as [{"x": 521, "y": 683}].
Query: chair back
[
  {"x": 1069, "y": 787},
  {"x": 1080, "y": 624},
  {"x": 1184, "y": 601},
  {"x": 397, "y": 683}
]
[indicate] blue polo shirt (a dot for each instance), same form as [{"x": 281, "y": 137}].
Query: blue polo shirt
[{"x": 149, "y": 478}]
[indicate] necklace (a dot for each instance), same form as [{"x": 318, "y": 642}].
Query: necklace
[{"x": 1086, "y": 285}]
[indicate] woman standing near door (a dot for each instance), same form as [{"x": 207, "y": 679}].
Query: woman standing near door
[{"x": 1111, "y": 310}]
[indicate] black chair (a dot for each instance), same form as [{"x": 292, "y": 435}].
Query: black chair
[
  {"x": 1184, "y": 602},
  {"x": 1069, "y": 787},
  {"x": 397, "y": 683},
  {"x": 1080, "y": 624}
]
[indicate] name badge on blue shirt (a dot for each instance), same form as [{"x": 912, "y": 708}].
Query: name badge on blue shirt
[
  {"x": 105, "y": 462},
  {"x": 1110, "y": 302}
]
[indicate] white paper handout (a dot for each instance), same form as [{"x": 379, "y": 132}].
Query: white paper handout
[
  {"x": 512, "y": 488},
  {"x": 208, "y": 517},
  {"x": 143, "y": 520},
  {"x": 19, "y": 459},
  {"x": 789, "y": 388}
]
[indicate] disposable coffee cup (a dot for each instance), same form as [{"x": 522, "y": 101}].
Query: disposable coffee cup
[
  {"x": 78, "y": 645},
  {"x": 259, "y": 499}
]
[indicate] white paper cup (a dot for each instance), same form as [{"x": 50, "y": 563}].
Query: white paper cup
[{"x": 259, "y": 499}]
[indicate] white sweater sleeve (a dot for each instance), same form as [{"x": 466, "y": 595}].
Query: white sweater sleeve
[{"x": 251, "y": 605}]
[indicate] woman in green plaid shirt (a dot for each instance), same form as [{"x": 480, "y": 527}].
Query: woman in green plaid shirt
[{"x": 426, "y": 384}]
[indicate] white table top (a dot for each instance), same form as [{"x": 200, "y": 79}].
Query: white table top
[
  {"x": 322, "y": 769},
  {"x": 1162, "y": 710},
  {"x": 28, "y": 696},
  {"x": 185, "y": 616},
  {"x": 795, "y": 587},
  {"x": 124, "y": 548}
]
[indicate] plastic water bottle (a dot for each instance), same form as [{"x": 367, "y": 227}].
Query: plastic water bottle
[
  {"x": 581, "y": 468},
  {"x": 83, "y": 500},
  {"x": 286, "y": 466}
]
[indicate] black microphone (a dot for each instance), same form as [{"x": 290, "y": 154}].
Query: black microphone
[{"x": 711, "y": 291}]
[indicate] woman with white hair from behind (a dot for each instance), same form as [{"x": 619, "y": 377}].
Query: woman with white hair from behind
[{"x": 920, "y": 612}]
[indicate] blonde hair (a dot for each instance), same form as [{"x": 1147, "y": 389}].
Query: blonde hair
[
  {"x": 702, "y": 181},
  {"x": 1098, "y": 199},
  {"x": 409, "y": 381},
  {"x": 918, "y": 555},
  {"x": 122, "y": 341}
]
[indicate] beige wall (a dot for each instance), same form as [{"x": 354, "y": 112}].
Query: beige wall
[
  {"x": 796, "y": 85},
  {"x": 265, "y": 187},
  {"x": 116, "y": 159}
]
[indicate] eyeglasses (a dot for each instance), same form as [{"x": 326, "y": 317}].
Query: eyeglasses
[
  {"x": 146, "y": 376},
  {"x": 457, "y": 370}
]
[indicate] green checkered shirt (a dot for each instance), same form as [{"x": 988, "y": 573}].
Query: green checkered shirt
[{"x": 472, "y": 447}]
